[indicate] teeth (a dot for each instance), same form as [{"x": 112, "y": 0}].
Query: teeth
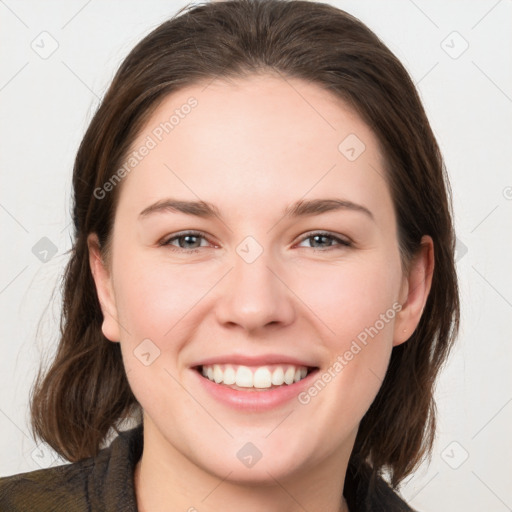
[
  {"x": 243, "y": 377},
  {"x": 217, "y": 374},
  {"x": 278, "y": 376},
  {"x": 261, "y": 377},
  {"x": 229, "y": 375},
  {"x": 289, "y": 375}
]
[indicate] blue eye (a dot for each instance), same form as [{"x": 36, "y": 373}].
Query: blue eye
[
  {"x": 321, "y": 235},
  {"x": 190, "y": 241}
]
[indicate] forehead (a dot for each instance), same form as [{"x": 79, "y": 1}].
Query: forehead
[{"x": 255, "y": 137}]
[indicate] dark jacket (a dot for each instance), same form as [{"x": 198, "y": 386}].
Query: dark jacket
[{"x": 105, "y": 483}]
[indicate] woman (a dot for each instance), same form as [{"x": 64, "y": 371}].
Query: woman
[{"x": 265, "y": 370}]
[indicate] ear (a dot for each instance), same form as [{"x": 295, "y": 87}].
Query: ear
[
  {"x": 104, "y": 289},
  {"x": 414, "y": 292}
]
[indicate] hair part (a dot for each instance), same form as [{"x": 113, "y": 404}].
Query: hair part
[{"x": 85, "y": 392}]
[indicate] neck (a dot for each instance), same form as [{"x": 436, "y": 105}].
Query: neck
[{"x": 175, "y": 482}]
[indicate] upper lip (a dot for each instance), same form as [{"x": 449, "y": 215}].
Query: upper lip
[{"x": 261, "y": 360}]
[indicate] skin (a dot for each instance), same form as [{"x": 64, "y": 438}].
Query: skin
[{"x": 252, "y": 147}]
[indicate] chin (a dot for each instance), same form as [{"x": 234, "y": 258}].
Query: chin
[{"x": 262, "y": 473}]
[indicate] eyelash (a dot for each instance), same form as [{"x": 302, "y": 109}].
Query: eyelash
[{"x": 166, "y": 243}]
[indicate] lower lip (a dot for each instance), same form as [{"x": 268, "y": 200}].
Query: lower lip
[{"x": 255, "y": 400}]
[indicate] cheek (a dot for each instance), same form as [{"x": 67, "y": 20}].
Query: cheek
[
  {"x": 153, "y": 300},
  {"x": 153, "y": 297},
  {"x": 357, "y": 306},
  {"x": 350, "y": 297},
  {"x": 156, "y": 299}
]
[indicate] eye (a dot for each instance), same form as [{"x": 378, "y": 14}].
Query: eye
[
  {"x": 188, "y": 241},
  {"x": 320, "y": 237}
]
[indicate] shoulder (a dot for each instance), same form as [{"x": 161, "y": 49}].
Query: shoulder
[
  {"x": 366, "y": 492},
  {"x": 384, "y": 498},
  {"x": 105, "y": 480},
  {"x": 55, "y": 488}
]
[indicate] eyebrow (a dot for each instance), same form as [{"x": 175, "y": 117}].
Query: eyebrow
[{"x": 301, "y": 208}]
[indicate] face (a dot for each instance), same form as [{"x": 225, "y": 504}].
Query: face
[{"x": 255, "y": 284}]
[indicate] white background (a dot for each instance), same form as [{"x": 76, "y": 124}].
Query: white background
[{"x": 46, "y": 104}]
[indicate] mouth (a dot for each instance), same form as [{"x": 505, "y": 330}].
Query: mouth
[{"x": 255, "y": 378}]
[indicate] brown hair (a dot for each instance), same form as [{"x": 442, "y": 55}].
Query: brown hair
[{"x": 85, "y": 392}]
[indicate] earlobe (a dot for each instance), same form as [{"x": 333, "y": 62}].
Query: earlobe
[
  {"x": 104, "y": 289},
  {"x": 416, "y": 288}
]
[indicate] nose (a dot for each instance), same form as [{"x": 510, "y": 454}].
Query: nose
[{"x": 255, "y": 295}]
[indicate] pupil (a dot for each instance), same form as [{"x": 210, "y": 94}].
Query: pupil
[
  {"x": 316, "y": 237},
  {"x": 187, "y": 239}
]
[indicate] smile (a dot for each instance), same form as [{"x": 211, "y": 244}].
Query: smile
[{"x": 256, "y": 377}]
